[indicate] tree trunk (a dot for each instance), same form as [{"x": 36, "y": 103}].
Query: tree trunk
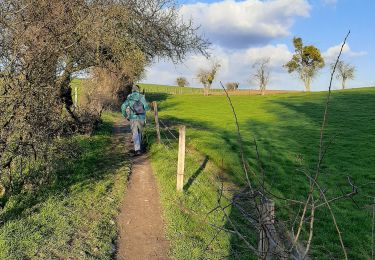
[
  {"x": 206, "y": 90},
  {"x": 262, "y": 89},
  {"x": 66, "y": 90},
  {"x": 307, "y": 82},
  {"x": 343, "y": 84}
]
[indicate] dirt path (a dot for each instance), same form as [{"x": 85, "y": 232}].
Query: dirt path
[{"x": 141, "y": 227}]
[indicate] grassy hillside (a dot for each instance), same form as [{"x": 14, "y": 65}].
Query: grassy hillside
[
  {"x": 74, "y": 217},
  {"x": 154, "y": 88},
  {"x": 287, "y": 130},
  {"x": 175, "y": 90}
]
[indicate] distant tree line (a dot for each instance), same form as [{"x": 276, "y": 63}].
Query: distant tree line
[{"x": 306, "y": 62}]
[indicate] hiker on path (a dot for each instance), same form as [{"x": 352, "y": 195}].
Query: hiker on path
[{"x": 134, "y": 109}]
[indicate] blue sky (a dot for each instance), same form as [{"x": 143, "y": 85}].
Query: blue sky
[{"x": 243, "y": 32}]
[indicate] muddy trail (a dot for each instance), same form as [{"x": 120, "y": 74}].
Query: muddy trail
[{"x": 140, "y": 223}]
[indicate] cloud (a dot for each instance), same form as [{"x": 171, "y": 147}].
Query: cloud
[
  {"x": 235, "y": 65},
  {"x": 331, "y": 53},
  {"x": 243, "y": 32},
  {"x": 246, "y": 23}
]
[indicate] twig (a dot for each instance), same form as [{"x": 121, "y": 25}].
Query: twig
[
  {"x": 332, "y": 215},
  {"x": 212, "y": 240},
  {"x": 311, "y": 231},
  {"x": 239, "y": 234},
  {"x": 347, "y": 195},
  {"x": 321, "y": 150},
  {"x": 244, "y": 164}
]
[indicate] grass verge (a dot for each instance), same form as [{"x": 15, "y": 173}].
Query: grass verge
[
  {"x": 75, "y": 217},
  {"x": 189, "y": 226}
]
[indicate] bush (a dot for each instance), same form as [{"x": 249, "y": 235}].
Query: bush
[
  {"x": 182, "y": 82},
  {"x": 232, "y": 85}
]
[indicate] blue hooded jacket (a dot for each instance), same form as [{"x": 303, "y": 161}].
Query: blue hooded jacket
[{"x": 129, "y": 102}]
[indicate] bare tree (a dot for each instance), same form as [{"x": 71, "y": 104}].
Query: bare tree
[
  {"x": 261, "y": 74},
  {"x": 345, "y": 71},
  {"x": 207, "y": 76}
]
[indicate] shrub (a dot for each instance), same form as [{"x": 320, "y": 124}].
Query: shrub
[
  {"x": 182, "y": 82},
  {"x": 232, "y": 85}
]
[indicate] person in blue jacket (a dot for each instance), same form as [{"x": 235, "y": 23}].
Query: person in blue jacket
[{"x": 134, "y": 109}]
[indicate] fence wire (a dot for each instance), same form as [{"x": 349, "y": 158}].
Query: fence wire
[{"x": 169, "y": 141}]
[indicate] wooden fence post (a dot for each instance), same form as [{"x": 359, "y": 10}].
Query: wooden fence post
[
  {"x": 157, "y": 122},
  {"x": 181, "y": 159},
  {"x": 267, "y": 233}
]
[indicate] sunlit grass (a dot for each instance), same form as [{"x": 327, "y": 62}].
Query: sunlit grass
[{"x": 287, "y": 129}]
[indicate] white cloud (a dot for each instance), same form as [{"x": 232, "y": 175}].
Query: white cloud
[
  {"x": 331, "y": 53},
  {"x": 242, "y": 32},
  {"x": 279, "y": 54},
  {"x": 245, "y": 23},
  {"x": 235, "y": 65}
]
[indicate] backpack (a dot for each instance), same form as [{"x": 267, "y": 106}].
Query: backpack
[{"x": 138, "y": 108}]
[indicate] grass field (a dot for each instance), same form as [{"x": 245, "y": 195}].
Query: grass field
[
  {"x": 74, "y": 217},
  {"x": 154, "y": 88},
  {"x": 175, "y": 90},
  {"x": 287, "y": 130}
]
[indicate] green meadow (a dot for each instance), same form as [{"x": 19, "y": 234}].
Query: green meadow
[
  {"x": 75, "y": 215},
  {"x": 287, "y": 130},
  {"x": 173, "y": 90}
]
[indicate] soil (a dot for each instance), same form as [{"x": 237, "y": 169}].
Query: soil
[{"x": 140, "y": 223}]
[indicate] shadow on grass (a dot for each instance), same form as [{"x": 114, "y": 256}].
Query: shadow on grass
[
  {"x": 156, "y": 96},
  {"x": 291, "y": 143},
  {"x": 196, "y": 174},
  {"x": 294, "y": 144},
  {"x": 98, "y": 157}
]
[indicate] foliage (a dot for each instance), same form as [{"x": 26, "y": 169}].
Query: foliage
[
  {"x": 306, "y": 61},
  {"x": 232, "y": 85},
  {"x": 207, "y": 76},
  {"x": 344, "y": 71},
  {"x": 287, "y": 130},
  {"x": 261, "y": 73},
  {"x": 182, "y": 82}
]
